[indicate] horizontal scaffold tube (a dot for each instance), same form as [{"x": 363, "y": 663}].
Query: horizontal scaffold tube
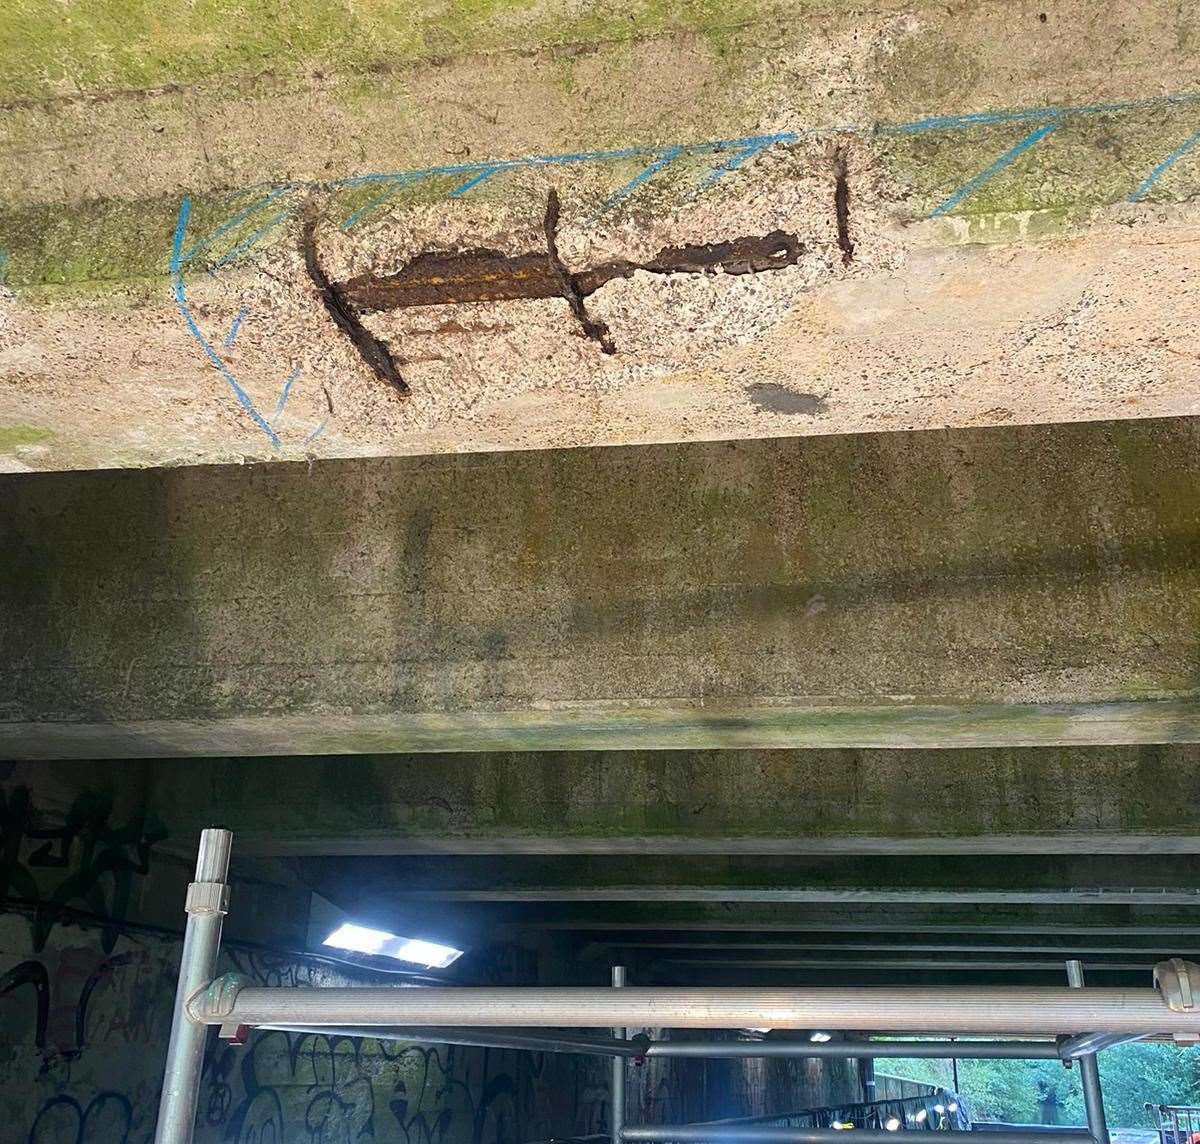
[
  {"x": 1033, "y": 1011},
  {"x": 936, "y": 1050},
  {"x": 557, "y": 1041},
  {"x": 550, "y": 1041},
  {"x": 763, "y": 1134}
]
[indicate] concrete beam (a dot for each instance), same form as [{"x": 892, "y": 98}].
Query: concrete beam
[
  {"x": 687, "y": 917},
  {"x": 428, "y": 126},
  {"x": 1025, "y": 585},
  {"x": 995, "y": 801},
  {"x": 541, "y": 876},
  {"x": 1066, "y": 895}
]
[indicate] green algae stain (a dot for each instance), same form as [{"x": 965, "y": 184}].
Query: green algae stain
[
  {"x": 99, "y": 246},
  {"x": 13, "y": 437},
  {"x": 102, "y": 45}
]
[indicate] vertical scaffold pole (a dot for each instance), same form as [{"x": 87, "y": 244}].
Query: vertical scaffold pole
[
  {"x": 207, "y": 904},
  {"x": 1089, "y": 1073},
  {"x": 617, "y": 1099}
]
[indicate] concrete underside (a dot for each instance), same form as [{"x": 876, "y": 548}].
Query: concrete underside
[
  {"x": 951, "y": 588},
  {"x": 1020, "y": 204},
  {"x": 869, "y": 655}
]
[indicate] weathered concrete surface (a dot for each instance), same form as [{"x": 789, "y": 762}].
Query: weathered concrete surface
[
  {"x": 994, "y": 801},
  {"x": 1061, "y": 132},
  {"x": 1006, "y": 586}
]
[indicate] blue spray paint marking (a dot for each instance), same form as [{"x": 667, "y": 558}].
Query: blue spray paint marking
[
  {"x": 482, "y": 177},
  {"x": 970, "y": 187},
  {"x": 1163, "y": 168},
  {"x": 229, "y": 224},
  {"x": 243, "y": 398},
  {"x": 477, "y": 172},
  {"x": 284, "y": 393},
  {"x": 644, "y": 176},
  {"x": 399, "y": 183},
  {"x": 3, "y": 265},
  {"x": 237, "y": 325},
  {"x": 992, "y": 118},
  {"x": 746, "y": 154},
  {"x": 249, "y": 241},
  {"x": 742, "y": 150},
  {"x": 317, "y": 431}
]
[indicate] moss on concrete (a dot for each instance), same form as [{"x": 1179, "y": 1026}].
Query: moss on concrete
[
  {"x": 95, "y": 246},
  {"x": 13, "y": 437},
  {"x": 102, "y": 45},
  {"x": 1099, "y": 792}
]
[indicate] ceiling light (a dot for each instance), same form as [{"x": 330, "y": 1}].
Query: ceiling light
[
  {"x": 921, "y": 1116},
  {"x": 892, "y": 1124},
  {"x": 953, "y": 1106},
  {"x": 428, "y": 953},
  {"x": 357, "y": 939},
  {"x": 940, "y": 1109},
  {"x": 361, "y": 939},
  {"x": 840, "y": 1125},
  {"x": 820, "y": 1038}
]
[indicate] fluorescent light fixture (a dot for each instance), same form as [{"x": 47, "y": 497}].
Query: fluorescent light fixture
[
  {"x": 357, "y": 939},
  {"x": 840, "y": 1125},
  {"x": 361, "y": 939},
  {"x": 428, "y": 953},
  {"x": 892, "y": 1125},
  {"x": 820, "y": 1038}
]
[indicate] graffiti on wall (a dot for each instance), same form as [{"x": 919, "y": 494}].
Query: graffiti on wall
[
  {"x": 103, "y": 1084},
  {"x": 91, "y": 861},
  {"x": 85, "y": 1011}
]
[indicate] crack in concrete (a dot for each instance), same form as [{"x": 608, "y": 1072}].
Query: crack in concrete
[
  {"x": 841, "y": 205},
  {"x": 593, "y": 328},
  {"x": 373, "y": 352}
]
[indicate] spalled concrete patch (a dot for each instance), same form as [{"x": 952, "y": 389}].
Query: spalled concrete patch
[
  {"x": 887, "y": 142},
  {"x": 1093, "y": 326}
]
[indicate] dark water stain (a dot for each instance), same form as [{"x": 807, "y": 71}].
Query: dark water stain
[{"x": 773, "y": 398}]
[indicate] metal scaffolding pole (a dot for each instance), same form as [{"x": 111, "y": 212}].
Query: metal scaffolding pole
[
  {"x": 560, "y": 1041},
  {"x": 207, "y": 903},
  {"x": 1089, "y": 1073},
  {"x": 617, "y": 1097},
  {"x": 755, "y": 1134},
  {"x": 1029, "y": 1011},
  {"x": 935, "y": 1050},
  {"x": 1111, "y": 1015},
  {"x": 1071, "y": 1047},
  {"x": 535, "y": 1040}
]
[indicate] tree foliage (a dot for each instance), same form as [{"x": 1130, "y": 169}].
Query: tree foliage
[{"x": 1130, "y": 1076}]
